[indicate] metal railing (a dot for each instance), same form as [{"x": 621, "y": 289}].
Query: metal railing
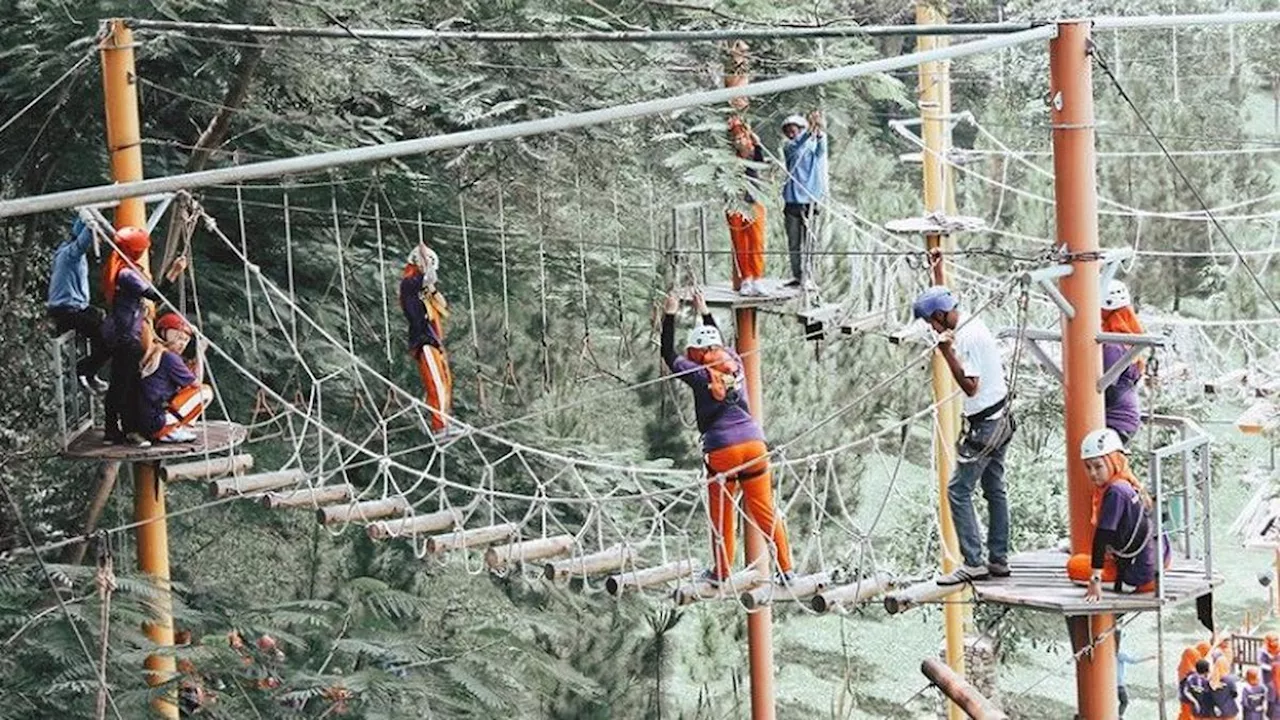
[
  {"x": 1193, "y": 439},
  {"x": 75, "y": 407}
]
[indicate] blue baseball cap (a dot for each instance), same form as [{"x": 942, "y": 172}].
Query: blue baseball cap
[{"x": 937, "y": 298}]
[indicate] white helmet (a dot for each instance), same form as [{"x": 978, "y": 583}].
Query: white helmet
[
  {"x": 425, "y": 258},
  {"x": 1117, "y": 296},
  {"x": 797, "y": 120},
  {"x": 1099, "y": 443},
  {"x": 705, "y": 336}
]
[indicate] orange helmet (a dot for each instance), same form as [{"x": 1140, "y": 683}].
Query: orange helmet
[
  {"x": 133, "y": 241},
  {"x": 172, "y": 321}
]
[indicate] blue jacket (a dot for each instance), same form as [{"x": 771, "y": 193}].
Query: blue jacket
[
  {"x": 69, "y": 281},
  {"x": 806, "y": 157}
]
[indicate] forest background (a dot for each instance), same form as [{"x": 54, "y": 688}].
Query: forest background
[{"x": 592, "y": 211}]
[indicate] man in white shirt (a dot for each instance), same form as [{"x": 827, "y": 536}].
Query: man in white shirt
[{"x": 973, "y": 356}]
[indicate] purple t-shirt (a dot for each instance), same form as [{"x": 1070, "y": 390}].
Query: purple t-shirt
[
  {"x": 1253, "y": 702},
  {"x": 124, "y": 323},
  {"x": 159, "y": 387},
  {"x": 723, "y": 423},
  {"x": 1122, "y": 512},
  {"x": 1121, "y": 397},
  {"x": 1195, "y": 690},
  {"x": 1224, "y": 697}
]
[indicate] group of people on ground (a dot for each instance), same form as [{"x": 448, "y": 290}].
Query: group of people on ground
[
  {"x": 155, "y": 390},
  {"x": 803, "y": 192},
  {"x": 1208, "y": 687}
]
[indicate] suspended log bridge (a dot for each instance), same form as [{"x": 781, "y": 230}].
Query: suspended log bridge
[
  {"x": 361, "y": 511},
  {"x": 649, "y": 577},
  {"x": 208, "y": 468},
  {"x": 256, "y": 483},
  {"x": 309, "y": 497},
  {"x": 587, "y": 565},
  {"x": 852, "y": 594},
  {"x": 744, "y": 580},
  {"x": 414, "y": 525},
  {"x": 798, "y": 589},
  {"x": 475, "y": 537},
  {"x": 501, "y": 557}
]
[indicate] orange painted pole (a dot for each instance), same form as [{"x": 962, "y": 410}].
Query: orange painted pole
[
  {"x": 760, "y": 621},
  {"x": 1075, "y": 194},
  {"x": 124, "y": 143}
]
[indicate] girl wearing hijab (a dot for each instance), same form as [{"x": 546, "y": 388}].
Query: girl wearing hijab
[
  {"x": 172, "y": 394},
  {"x": 1268, "y": 656},
  {"x": 1186, "y": 666},
  {"x": 747, "y": 229},
  {"x": 127, "y": 333},
  {"x": 1253, "y": 698},
  {"x": 425, "y": 309},
  {"x": 1124, "y": 415},
  {"x": 733, "y": 443},
  {"x": 1124, "y": 550}
]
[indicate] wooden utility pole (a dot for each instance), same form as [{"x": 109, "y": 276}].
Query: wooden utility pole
[
  {"x": 124, "y": 143},
  {"x": 760, "y": 620},
  {"x": 1075, "y": 194},
  {"x": 935, "y": 105}
]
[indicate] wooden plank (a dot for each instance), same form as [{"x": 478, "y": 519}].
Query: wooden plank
[
  {"x": 212, "y": 438},
  {"x": 500, "y": 557},
  {"x": 723, "y": 294},
  {"x": 462, "y": 539},
  {"x": 414, "y": 524},
  {"x": 798, "y": 589},
  {"x": 207, "y": 468},
  {"x": 852, "y": 593},
  {"x": 921, "y": 593},
  {"x": 740, "y": 581},
  {"x": 362, "y": 511},
  {"x": 256, "y": 483},
  {"x": 648, "y": 577},
  {"x": 586, "y": 565},
  {"x": 308, "y": 497}
]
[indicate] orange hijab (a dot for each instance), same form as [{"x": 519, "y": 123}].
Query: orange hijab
[
  {"x": 1251, "y": 676},
  {"x": 721, "y": 366},
  {"x": 1124, "y": 320},
  {"x": 1272, "y": 642},
  {"x": 1118, "y": 466},
  {"x": 1187, "y": 664}
]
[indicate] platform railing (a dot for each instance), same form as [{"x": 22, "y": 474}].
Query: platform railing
[
  {"x": 75, "y": 407},
  {"x": 1193, "y": 439}
]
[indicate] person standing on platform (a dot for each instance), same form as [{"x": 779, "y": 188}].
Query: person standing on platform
[
  {"x": 747, "y": 230},
  {"x": 68, "y": 304},
  {"x": 733, "y": 443},
  {"x": 127, "y": 334},
  {"x": 425, "y": 309},
  {"x": 973, "y": 357},
  {"x": 805, "y": 154}
]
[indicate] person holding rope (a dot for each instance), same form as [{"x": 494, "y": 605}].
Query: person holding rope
[
  {"x": 733, "y": 443},
  {"x": 128, "y": 335},
  {"x": 972, "y": 354},
  {"x": 425, "y": 309},
  {"x": 69, "y": 308},
  {"x": 747, "y": 230},
  {"x": 1124, "y": 415},
  {"x": 805, "y": 154},
  {"x": 1124, "y": 546}
]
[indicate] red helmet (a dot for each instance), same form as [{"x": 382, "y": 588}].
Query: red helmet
[
  {"x": 172, "y": 321},
  {"x": 133, "y": 241}
]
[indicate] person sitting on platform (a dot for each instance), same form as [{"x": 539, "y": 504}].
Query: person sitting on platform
[
  {"x": 127, "y": 336},
  {"x": 733, "y": 443},
  {"x": 973, "y": 356},
  {"x": 172, "y": 394},
  {"x": 1253, "y": 698},
  {"x": 1194, "y": 691},
  {"x": 69, "y": 308},
  {"x": 747, "y": 231},
  {"x": 1124, "y": 415},
  {"x": 1124, "y": 550},
  {"x": 425, "y": 309},
  {"x": 805, "y": 153}
]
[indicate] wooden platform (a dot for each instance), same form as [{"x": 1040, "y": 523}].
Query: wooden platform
[
  {"x": 1039, "y": 582},
  {"x": 935, "y": 225},
  {"x": 723, "y": 295},
  {"x": 212, "y": 438}
]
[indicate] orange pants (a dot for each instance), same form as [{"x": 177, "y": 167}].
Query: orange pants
[
  {"x": 748, "y": 235},
  {"x": 1080, "y": 567},
  {"x": 184, "y": 407},
  {"x": 437, "y": 381},
  {"x": 757, "y": 496}
]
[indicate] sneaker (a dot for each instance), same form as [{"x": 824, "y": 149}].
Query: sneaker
[
  {"x": 761, "y": 290},
  {"x": 748, "y": 289},
  {"x": 113, "y": 438},
  {"x": 783, "y": 577},
  {"x": 792, "y": 283},
  {"x": 999, "y": 569},
  {"x": 137, "y": 441},
  {"x": 965, "y": 574},
  {"x": 709, "y": 577},
  {"x": 450, "y": 432},
  {"x": 181, "y": 435}
]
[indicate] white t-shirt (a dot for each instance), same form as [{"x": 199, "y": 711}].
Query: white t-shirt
[{"x": 979, "y": 355}]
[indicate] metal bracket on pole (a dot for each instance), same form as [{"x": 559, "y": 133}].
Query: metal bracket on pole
[
  {"x": 1113, "y": 373},
  {"x": 1111, "y": 260},
  {"x": 1044, "y": 277},
  {"x": 1033, "y": 337}
]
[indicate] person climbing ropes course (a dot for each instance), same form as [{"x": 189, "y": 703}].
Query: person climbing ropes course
[
  {"x": 69, "y": 307},
  {"x": 1124, "y": 414},
  {"x": 425, "y": 309}
]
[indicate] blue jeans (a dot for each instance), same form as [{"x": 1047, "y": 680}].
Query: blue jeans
[{"x": 987, "y": 467}]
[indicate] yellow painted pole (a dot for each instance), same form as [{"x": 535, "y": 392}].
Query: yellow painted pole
[
  {"x": 935, "y": 101},
  {"x": 124, "y": 143}
]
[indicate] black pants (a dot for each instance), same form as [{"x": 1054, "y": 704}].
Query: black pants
[
  {"x": 87, "y": 323},
  {"x": 801, "y": 229},
  {"x": 124, "y": 396},
  {"x": 1123, "y": 693}
]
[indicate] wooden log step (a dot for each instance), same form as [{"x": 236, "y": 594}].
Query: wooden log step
[
  {"x": 362, "y": 511},
  {"x": 256, "y": 483},
  {"x": 461, "y": 539},
  {"x": 428, "y": 523},
  {"x": 851, "y": 594},
  {"x": 798, "y": 589},
  {"x": 1223, "y": 383},
  {"x": 742, "y": 580},
  {"x": 640, "y": 579},
  {"x": 308, "y": 497},
  {"x": 500, "y": 557},
  {"x": 586, "y": 565},
  {"x": 913, "y": 595},
  {"x": 207, "y": 468}
]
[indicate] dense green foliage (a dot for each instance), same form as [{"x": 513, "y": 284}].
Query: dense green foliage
[{"x": 593, "y": 211}]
